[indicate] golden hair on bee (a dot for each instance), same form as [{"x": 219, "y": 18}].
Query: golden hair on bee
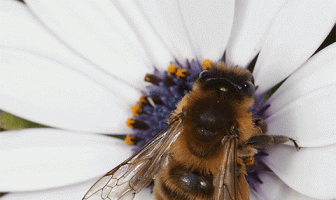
[{"x": 199, "y": 155}]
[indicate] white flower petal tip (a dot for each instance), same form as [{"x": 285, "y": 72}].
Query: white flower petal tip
[
  {"x": 285, "y": 47},
  {"x": 310, "y": 171},
  {"x": 246, "y": 40},
  {"x": 47, "y": 158},
  {"x": 273, "y": 188}
]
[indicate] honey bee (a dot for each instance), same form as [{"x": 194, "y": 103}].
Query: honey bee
[{"x": 199, "y": 155}]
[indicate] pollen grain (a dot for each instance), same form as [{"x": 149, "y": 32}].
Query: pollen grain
[
  {"x": 130, "y": 122},
  {"x": 172, "y": 69},
  {"x": 206, "y": 64},
  {"x": 181, "y": 73},
  {"x": 136, "y": 110},
  {"x": 130, "y": 140},
  {"x": 250, "y": 161}
]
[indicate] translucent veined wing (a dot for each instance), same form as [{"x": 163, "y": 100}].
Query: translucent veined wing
[
  {"x": 138, "y": 171},
  {"x": 226, "y": 178},
  {"x": 231, "y": 184}
]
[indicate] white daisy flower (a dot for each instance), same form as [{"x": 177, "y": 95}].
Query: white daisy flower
[{"x": 78, "y": 66}]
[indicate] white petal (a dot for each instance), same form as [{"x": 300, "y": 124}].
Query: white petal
[
  {"x": 71, "y": 192},
  {"x": 209, "y": 25},
  {"x": 36, "y": 159},
  {"x": 153, "y": 46},
  {"x": 164, "y": 18},
  {"x": 144, "y": 194},
  {"x": 46, "y": 92},
  {"x": 310, "y": 120},
  {"x": 250, "y": 25},
  {"x": 294, "y": 98},
  {"x": 317, "y": 73},
  {"x": 297, "y": 31},
  {"x": 273, "y": 188},
  {"x": 99, "y": 32},
  {"x": 21, "y": 31},
  {"x": 187, "y": 28},
  {"x": 36, "y": 42},
  {"x": 16, "y": 20},
  {"x": 310, "y": 171}
]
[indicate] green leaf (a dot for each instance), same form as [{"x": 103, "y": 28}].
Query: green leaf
[
  {"x": 122, "y": 137},
  {"x": 12, "y": 122}
]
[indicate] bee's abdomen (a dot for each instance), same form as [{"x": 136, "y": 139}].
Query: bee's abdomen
[{"x": 178, "y": 182}]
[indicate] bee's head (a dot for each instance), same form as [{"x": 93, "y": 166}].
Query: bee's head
[{"x": 234, "y": 82}]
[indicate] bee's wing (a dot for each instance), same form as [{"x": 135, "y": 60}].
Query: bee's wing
[
  {"x": 231, "y": 185},
  {"x": 138, "y": 171}
]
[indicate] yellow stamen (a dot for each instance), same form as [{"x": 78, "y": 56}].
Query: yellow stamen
[
  {"x": 181, "y": 73},
  {"x": 147, "y": 77},
  {"x": 130, "y": 140},
  {"x": 130, "y": 122},
  {"x": 172, "y": 69},
  {"x": 152, "y": 79},
  {"x": 136, "y": 110},
  {"x": 249, "y": 161},
  {"x": 206, "y": 64}
]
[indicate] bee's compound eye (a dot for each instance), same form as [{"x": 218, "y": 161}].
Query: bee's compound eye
[
  {"x": 234, "y": 128},
  {"x": 248, "y": 88},
  {"x": 204, "y": 75},
  {"x": 245, "y": 86}
]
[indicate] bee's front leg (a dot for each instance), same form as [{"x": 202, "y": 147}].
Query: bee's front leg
[
  {"x": 266, "y": 141},
  {"x": 261, "y": 140}
]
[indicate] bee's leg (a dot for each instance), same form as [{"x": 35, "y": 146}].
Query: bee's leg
[
  {"x": 266, "y": 141},
  {"x": 261, "y": 124}
]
